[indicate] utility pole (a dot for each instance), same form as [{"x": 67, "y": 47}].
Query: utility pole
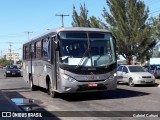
[
  {"x": 10, "y": 51},
  {"x": 31, "y": 52},
  {"x": 28, "y": 32},
  {"x": 62, "y": 16},
  {"x": 1, "y": 54}
]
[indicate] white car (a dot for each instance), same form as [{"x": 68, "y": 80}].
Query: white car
[{"x": 134, "y": 74}]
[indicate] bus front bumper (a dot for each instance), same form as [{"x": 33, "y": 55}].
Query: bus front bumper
[{"x": 75, "y": 86}]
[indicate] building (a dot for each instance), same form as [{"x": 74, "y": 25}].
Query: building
[{"x": 13, "y": 56}]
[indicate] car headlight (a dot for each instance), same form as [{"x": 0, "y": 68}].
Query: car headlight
[
  {"x": 138, "y": 77},
  {"x": 70, "y": 79},
  {"x": 8, "y": 71}
]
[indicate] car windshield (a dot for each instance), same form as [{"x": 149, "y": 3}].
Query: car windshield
[
  {"x": 136, "y": 69},
  {"x": 79, "y": 50},
  {"x": 12, "y": 67}
]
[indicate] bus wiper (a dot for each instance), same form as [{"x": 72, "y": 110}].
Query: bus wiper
[
  {"x": 108, "y": 63},
  {"x": 85, "y": 53},
  {"x": 81, "y": 60}
]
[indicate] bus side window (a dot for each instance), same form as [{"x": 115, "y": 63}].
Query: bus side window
[
  {"x": 45, "y": 47},
  {"x": 27, "y": 52},
  {"x": 49, "y": 49},
  {"x": 33, "y": 50},
  {"x": 38, "y": 49},
  {"x": 24, "y": 54}
]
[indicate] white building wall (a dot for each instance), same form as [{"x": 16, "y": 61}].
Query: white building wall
[{"x": 13, "y": 56}]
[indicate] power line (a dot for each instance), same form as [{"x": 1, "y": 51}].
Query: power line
[
  {"x": 12, "y": 42},
  {"x": 154, "y": 12},
  {"x": 62, "y": 16}
]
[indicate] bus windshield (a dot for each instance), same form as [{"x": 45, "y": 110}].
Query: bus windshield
[{"x": 89, "y": 49}]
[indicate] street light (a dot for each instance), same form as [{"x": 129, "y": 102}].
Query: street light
[{"x": 28, "y": 32}]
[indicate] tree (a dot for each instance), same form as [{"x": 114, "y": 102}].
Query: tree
[
  {"x": 155, "y": 22},
  {"x": 97, "y": 23},
  {"x": 127, "y": 19},
  {"x": 83, "y": 20},
  {"x": 5, "y": 62}
]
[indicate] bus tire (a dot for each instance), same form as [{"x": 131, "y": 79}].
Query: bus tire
[
  {"x": 33, "y": 87},
  {"x": 50, "y": 91}
]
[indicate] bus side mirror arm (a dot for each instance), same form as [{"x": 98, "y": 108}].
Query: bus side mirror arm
[
  {"x": 115, "y": 46},
  {"x": 53, "y": 38},
  {"x": 55, "y": 42},
  {"x": 54, "y": 47}
]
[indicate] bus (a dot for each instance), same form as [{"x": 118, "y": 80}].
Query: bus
[{"x": 71, "y": 60}]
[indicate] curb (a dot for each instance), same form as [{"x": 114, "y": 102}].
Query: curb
[
  {"x": 5, "y": 100},
  {"x": 7, "y": 105}
]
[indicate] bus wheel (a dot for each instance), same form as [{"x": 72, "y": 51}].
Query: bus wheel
[
  {"x": 33, "y": 87},
  {"x": 50, "y": 91}
]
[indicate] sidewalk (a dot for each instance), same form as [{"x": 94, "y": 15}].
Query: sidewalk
[
  {"x": 7, "y": 105},
  {"x": 158, "y": 82}
]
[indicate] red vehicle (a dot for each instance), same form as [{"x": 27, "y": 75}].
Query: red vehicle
[{"x": 1, "y": 66}]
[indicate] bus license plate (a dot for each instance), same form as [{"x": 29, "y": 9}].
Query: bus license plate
[{"x": 92, "y": 84}]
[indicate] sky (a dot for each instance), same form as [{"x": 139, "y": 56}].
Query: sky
[{"x": 17, "y": 17}]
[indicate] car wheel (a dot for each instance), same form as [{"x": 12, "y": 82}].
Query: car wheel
[
  {"x": 5, "y": 75},
  {"x": 131, "y": 83}
]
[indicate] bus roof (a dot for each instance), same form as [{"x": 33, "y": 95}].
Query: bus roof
[
  {"x": 80, "y": 29},
  {"x": 68, "y": 29}
]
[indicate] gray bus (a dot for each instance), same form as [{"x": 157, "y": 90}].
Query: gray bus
[{"x": 70, "y": 60}]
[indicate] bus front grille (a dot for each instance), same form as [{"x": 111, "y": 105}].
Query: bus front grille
[{"x": 90, "y": 80}]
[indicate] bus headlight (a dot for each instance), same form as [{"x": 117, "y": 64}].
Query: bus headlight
[
  {"x": 70, "y": 79},
  {"x": 112, "y": 76},
  {"x": 115, "y": 74}
]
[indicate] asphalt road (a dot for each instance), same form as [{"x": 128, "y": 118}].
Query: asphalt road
[{"x": 125, "y": 98}]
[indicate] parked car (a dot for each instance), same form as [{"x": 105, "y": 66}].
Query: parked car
[
  {"x": 155, "y": 70},
  {"x": 146, "y": 68},
  {"x": 134, "y": 74},
  {"x": 12, "y": 70},
  {"x": 1, "y": 66}
]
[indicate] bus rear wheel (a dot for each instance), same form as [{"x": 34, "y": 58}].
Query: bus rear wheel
[
  {"x": 33, "y": 87},
  {"x": 50, "y": 91}
]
